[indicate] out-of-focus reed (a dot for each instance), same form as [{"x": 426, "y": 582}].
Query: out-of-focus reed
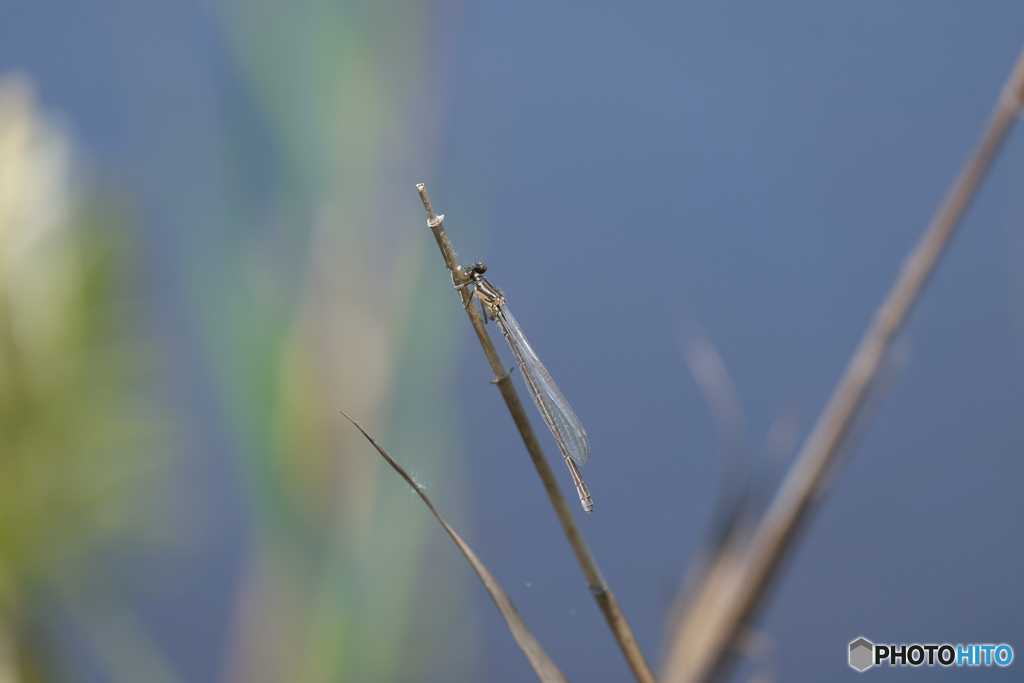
[
  {"x": 312, "y": 303},
  {"x": 78, "y": 434}
]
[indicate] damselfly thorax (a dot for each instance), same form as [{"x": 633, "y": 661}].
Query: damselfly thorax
[{"x": 490, "y": 296}]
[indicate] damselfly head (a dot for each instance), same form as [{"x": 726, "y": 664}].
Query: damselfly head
[{"x": 477, "y": 269}]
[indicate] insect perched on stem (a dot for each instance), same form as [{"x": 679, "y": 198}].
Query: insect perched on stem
[{"x": 563, "y": 423}]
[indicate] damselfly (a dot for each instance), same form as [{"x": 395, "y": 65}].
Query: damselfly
[{"x": 566, "y": 428}]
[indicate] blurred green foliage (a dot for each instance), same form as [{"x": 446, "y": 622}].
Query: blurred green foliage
[
  {"x": 78, "y": 433},
  {"x": 321, "y": 291}
]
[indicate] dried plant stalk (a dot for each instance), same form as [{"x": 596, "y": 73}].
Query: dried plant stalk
[
  {"x": 735, "y": 584},
  {"x": 598, "y": 587}
]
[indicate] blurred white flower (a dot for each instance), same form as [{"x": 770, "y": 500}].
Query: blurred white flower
[{"x": 38, "y": 266}]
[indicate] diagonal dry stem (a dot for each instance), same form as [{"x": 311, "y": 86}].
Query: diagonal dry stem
[
  {"x": 598, "y": 587},
  {"x": 736, "y": 582},
  {"x": 547, "y": 671}
]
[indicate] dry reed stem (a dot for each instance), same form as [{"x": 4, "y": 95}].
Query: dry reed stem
[
  {"x": 731, "y": 592},
  {"x": 598, "y": 587}
]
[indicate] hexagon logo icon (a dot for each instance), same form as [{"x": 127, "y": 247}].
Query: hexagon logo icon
[{"x": 862, "y": 653}]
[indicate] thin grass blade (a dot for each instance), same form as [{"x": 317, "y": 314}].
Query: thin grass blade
[{"x": 547, "y": 671}]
